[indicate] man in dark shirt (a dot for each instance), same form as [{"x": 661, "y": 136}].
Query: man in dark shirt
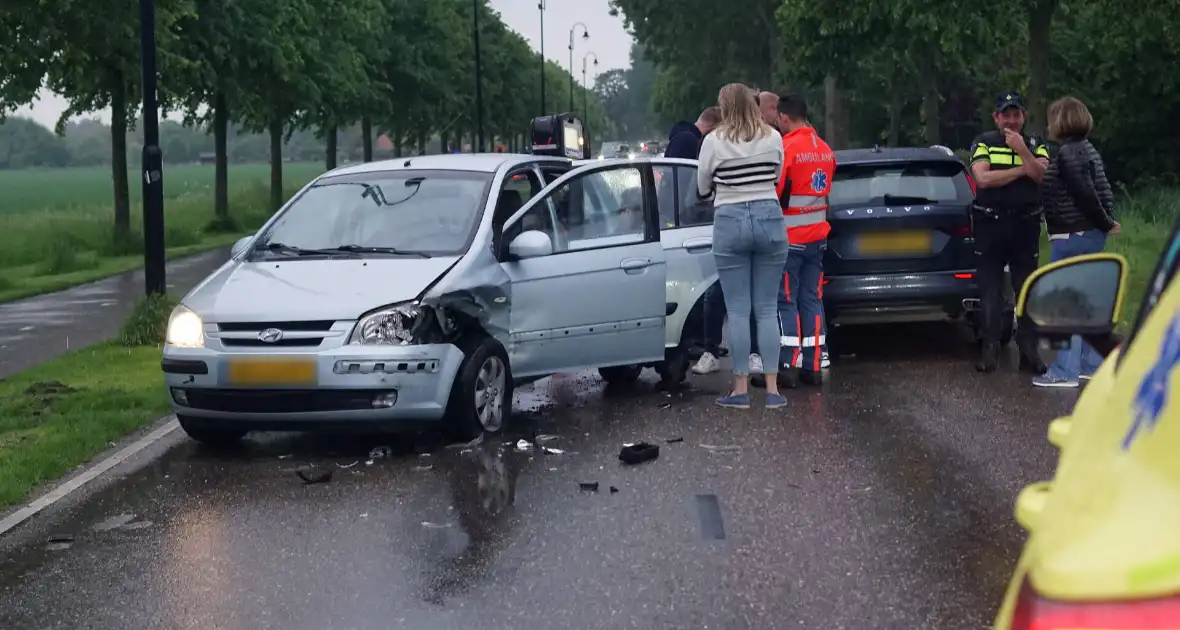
[
  {"x": 684, "y": 141},
  {"x": 1007, "y": 166}
]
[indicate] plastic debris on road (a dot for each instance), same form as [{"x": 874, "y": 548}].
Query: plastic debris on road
[
  {"x": 523, "y": 445},
  {"x": 639, "y": 453},
  {"x": 588, "y": 486},
  {"x": 380, "y": 452},
  {"x": 430, "y": 525},
  {"x": 348, "y": 465},
  {"x": 726, "y": 448},
  {"x": 312, "y": 475},
  {"x": 674, "y": 440}
]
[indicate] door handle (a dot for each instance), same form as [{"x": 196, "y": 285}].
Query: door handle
[
  {"x": 699, "y": 245},
  {"x": 631, "y": 265}
]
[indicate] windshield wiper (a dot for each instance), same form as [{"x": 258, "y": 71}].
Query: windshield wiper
[
  {"x": 363, "y": 249},
  {"x": 283, "y": 248},
  {"x": 892, "y": 199}
]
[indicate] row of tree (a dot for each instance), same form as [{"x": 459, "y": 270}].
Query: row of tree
[
  {"x": 901, "y": 72},
  {"x": 405, "y": 68}
]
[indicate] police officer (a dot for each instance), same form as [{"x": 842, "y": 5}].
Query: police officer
[{"x": 1008, "y": 166}]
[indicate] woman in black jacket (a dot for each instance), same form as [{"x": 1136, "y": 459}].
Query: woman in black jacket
[{"x": 1078, "y": 203}]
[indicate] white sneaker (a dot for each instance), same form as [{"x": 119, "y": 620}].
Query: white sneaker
[
  {"x": 824, "y": 361},
  {"x": 755, "y": 364},
  {"x": 706, "y": 364}
]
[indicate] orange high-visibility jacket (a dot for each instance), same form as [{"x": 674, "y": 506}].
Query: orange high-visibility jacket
[{"x": 808, "y": 167}]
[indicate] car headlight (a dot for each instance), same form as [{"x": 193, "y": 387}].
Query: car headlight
[
  {"x": 185, "y": 329},
  {"x": 388, "y": 327}
]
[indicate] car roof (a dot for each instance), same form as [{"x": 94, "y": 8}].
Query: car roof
[
  {"x": 887, "y": 155},
  {"x": 472, "y": 162}
]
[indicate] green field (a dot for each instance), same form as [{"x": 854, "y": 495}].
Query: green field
[
  {"x": 66, "y": 188},
  {"x": 56, "y": 225}
]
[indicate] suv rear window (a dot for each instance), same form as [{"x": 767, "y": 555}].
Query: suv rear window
[{"x": 868, "y": 184}]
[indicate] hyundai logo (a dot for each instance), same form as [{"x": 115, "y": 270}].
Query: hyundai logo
[{"x": 270, "y": 335}]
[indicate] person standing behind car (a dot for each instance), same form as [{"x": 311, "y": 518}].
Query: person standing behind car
[
  {"x": 684, "y": 141},
  {"x": 808, "y": 168},
  {"x": 740, "y": 163},
  {"x": 1078, "y": 203},
  {"x": 1008, "y": 166}
]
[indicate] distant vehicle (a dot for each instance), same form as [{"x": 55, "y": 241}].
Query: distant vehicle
[
  {"x": 1102, "y": 547},
  {"x": 901, "y": 247},
  {"x": 616, "y": 150}
]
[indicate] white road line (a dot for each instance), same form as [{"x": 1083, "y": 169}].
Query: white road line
[{"x": 59, "y": 493}]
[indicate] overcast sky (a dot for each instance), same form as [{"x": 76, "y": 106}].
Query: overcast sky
[{"x": 608, "y": 41}]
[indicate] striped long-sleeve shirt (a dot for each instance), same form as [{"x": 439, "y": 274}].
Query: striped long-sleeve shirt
[{"x": 740, "y": 171}]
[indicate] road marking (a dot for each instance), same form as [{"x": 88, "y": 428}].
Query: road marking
[{"x": 62, "y": 491}]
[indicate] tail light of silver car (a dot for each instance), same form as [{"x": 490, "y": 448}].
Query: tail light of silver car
[{"x": 1034, "y": 612}]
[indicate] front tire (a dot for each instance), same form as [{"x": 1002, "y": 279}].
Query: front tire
[
  {"x": 209, "y": 433},
  {"x": 674, "y": 368},
  {"x": 481, "y": 397}
]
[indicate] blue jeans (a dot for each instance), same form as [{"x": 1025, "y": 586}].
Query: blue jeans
[
  {"x": 1079, "y": 358},
  {"x": 750, "y": 247},
  {"x": 714, "y": 317},
  {"x": 801, "y": 307}
]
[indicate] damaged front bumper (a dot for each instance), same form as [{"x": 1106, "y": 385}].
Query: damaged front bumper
[{"x": 340, "y": 383}]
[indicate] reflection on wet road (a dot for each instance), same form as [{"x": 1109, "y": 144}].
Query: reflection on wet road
[
  {"x": 881, "y": 501},
  {"x": 37, "y": 329}
]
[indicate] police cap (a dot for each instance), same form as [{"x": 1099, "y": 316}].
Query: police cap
[{"x": 1009, "y": 99}]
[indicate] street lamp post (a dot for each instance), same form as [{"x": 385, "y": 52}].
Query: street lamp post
[
  {"x": 152, "y": 161},
  {"x": 585, "y": 35},
  {"x": 478, "y": 78},
  {"x": 585, "y": 85},
  {"x": 541, "y": 7}
]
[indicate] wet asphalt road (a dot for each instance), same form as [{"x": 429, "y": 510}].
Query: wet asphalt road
[
  {"x": 38, "y": 329},
  {"x": 882, "y": 500}
]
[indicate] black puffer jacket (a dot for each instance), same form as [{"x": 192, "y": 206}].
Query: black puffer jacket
[{"x": 1075, "y": 192}]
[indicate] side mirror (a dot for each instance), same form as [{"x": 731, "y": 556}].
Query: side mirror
[
  {"x": 239, "y": 246},
  {"x": 531, "y": 244},
  {"x": 1075, "y": 296}
]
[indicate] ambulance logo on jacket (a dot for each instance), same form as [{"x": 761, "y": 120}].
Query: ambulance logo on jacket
[{"x": 819, "y": 181}]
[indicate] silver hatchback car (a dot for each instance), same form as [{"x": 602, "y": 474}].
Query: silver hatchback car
[{"x": 419, "y": 290}]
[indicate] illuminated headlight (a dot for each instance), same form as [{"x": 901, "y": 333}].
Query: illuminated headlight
[
  {"x": 388, "y": 327},
  {"x": 185, "y": 329},
  {"x": 630, "y": 156}
]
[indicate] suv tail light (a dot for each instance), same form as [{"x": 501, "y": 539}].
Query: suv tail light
[{"x": 1034, "y": 612}]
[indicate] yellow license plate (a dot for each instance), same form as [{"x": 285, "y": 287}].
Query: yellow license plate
[
  {"x": 895, "y": 243},
  {"x": 272, "y": 371}
]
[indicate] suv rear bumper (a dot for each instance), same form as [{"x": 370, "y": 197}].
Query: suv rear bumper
[{"x": 900, "y": 297}]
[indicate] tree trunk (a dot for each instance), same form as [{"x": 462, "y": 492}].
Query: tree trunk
[
  {"x": 931, "y": 121},
  {"x": 1040, "y": 20},
  {"x": 896, "y": 102},
  {"x": 330, "y": 141},
  {"x": 421, "y": 143},
  {"x": 220, "y": 157},
  {"x": 119, "y": 160},
  {"x": 399, "y": 144},
  {"x": 835, "y": 118},
  {"x": 367, "y": 138},
  {"x": 276, "y": 161}
]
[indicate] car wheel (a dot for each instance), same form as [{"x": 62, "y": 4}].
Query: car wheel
[
  {"x": 481, "y": 398},
  {"x": 209, "y": 433},
  {"x": 620, "y": 375}
]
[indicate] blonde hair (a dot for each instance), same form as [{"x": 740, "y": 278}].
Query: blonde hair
[
  {"x": 741, "y": 120},
  {"x": 1069, "y": 118}
]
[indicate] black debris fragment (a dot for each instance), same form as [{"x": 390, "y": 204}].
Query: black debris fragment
[
  {"x": 674, "y": 440},
  {"x": 312, "y": 475},
  {"x": 613, "y": 489},
  {"x": 59, "y": 539},
  {"x": 638, "y": 453},
  {"x": 589, "y": 487}
]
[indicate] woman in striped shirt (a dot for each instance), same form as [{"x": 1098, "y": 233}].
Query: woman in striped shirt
[{"x": 740, "y": 163}]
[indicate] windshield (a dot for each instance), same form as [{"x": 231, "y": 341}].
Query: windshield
[
  {"x": 382, "y": 213},
  {"x": 936, "y": 182}
]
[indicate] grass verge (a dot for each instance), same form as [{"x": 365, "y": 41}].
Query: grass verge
[
  {"x": 42, "y": 251},
  {"x": 61, "y": 414}
]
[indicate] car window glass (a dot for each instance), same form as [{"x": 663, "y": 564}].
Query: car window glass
[
  {"x": 665, "y": 195},
  {"x": 519, "y": 187},
  {"x": 432, "y": 212},
  {"x": 551, "y": 173},
  {"x": 693, "y": 209},
  {"x": 597, "y": 209},
  {"x": 864, "y": 184},
  {"x": 1161, "y": 278}
]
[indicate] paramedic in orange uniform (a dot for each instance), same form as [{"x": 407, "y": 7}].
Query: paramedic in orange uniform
[{"x": 808, "y": 167}]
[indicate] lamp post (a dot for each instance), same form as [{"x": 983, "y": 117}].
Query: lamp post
[
  {"x": 478, "y": 78},
  {"x": 541, "y": 7},
  {"x": 585, "y": 35},
  {"x": 585, "y": 85},
  {"x": 152, "y": 159}
]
